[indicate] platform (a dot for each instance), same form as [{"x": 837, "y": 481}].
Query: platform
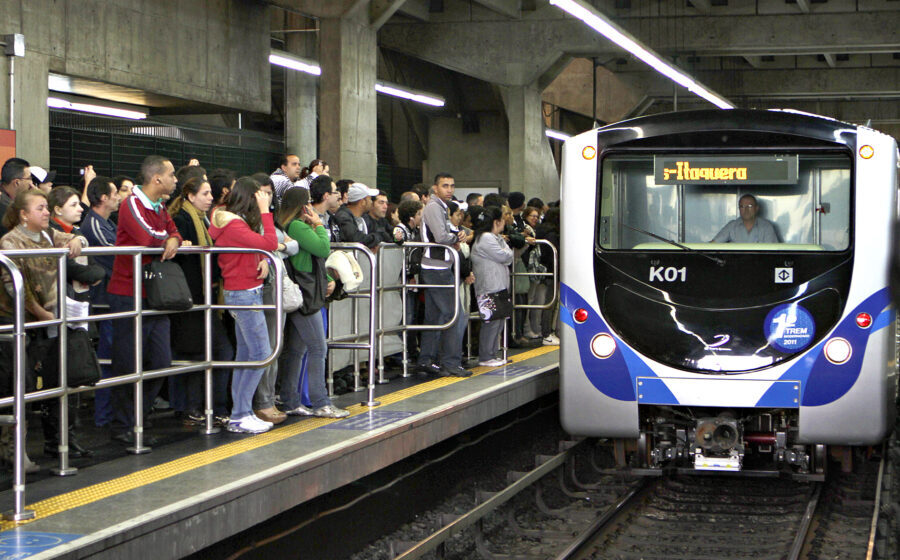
[{"x": 188, "y": 495}]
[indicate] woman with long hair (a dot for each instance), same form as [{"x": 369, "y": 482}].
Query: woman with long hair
[
  {"x": 245, "y": 221},
  {"x": 491, "y": 257},
  {"x": 306, "y": 333},
  {"x": 27, "y": 221},
  {"x": 189, "y": 212}
]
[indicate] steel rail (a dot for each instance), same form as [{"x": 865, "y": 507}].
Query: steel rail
[
  {"x": 432, "y": 542},
  {"x": 805, "y": 522},
  {"x": 873, "y": 528},
  {"x": 588, "y": 534}
]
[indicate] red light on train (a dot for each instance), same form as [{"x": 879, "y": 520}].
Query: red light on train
[
  {"x": 581, "y": 315},
  {"x": 864, "y": 320}
]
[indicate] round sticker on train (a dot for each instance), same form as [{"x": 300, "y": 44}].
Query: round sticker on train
[{"x": 790, "y": 328}]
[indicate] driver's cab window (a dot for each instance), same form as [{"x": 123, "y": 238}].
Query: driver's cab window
[{"x": 807, "y": 208}]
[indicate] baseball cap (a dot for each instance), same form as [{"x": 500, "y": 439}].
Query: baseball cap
[
  {"x": 41, "y": 175},
  {"x": 358, "y": 191}
]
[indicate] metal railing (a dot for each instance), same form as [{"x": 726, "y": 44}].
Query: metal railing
[
  {"x": 62, "y": 392},
  {"x": 374, "y": 337},
  {"x": 555, "y": 282},
  {"x": 404, "y": 287}
]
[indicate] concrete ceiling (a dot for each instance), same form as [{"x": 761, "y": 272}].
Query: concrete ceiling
[{"x": 755, "y": 52}]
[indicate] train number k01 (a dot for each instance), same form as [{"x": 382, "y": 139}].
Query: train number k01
[{"x": 668, "y": 274}]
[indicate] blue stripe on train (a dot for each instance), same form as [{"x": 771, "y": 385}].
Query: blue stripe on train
[{"x": 821, "y": 381}]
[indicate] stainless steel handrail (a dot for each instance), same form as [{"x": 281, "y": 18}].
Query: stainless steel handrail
[
  {"x": 404, "y": 287},
  {"x": 18, "y": 513},
  {"x": 20, "y": 397},
  {"x": 373, "y": 305}
]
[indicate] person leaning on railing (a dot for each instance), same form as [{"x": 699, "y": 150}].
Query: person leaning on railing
[
  {"x": 27, "y": 221},
  {"x": 143, "y": 222},
  {"x": 306, "y": 332},
  {"x": 186, "y": 392},
  {"x": 246, "y": 222}
]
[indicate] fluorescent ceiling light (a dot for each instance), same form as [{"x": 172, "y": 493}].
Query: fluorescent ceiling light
[
  {"x": 57, "y": 103},
  {"x": 287, "y": 60},
  {"x": 557, "y": 135},
  {"x": 406, "y": 93},
  {"x": 589, "y": 15}
]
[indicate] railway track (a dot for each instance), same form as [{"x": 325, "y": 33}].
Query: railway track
[{"x": 551, "y": 513}]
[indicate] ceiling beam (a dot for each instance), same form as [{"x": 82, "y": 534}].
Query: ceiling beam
[
  {"x": 416, "y": 9},
  {"x": 508, "y": 8},
  {"x": 381, "y": 10}
]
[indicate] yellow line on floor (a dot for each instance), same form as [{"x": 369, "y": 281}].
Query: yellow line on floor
[{"x": 89, "y": 494}]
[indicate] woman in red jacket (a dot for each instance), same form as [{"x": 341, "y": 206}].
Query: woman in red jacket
[{"x": 246, "y": 222}]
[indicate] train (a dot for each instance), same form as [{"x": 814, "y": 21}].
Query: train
[{"x": 724, "y": 299}]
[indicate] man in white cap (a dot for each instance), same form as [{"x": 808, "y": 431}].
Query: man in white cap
[
  {"x": 42, "y": 178},
  {"x": 349, "y": 218}
]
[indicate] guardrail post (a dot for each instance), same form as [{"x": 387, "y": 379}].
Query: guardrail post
[
  {"x": 62, "y": 337},
  {"x": 373, "y": 277},
  {"x": 209, "y": 427},
  {"x": 138, "y": 448},
  {"x": 18, "y": 513},
  {"x": 380, "y": 284},
  {"x": 404, "y": 291}
]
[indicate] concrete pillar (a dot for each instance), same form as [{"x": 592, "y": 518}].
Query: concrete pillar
[
  {"x": 32, "y": 118},
  {"x": 347, "y": 108},
  {"x": 531, "y": 166},
  {"x": 300, "y": 104}
]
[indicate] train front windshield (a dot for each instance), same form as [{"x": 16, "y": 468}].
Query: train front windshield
[{"x": 648, "y": 199}]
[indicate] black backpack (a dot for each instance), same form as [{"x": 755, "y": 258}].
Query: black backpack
[{"x": 166, "y": 287}]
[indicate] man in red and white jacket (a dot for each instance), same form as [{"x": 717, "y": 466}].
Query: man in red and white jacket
[{"x": 144, "y": 222}]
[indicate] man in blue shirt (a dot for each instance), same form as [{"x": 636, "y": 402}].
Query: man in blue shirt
[
  {"x": 101, "y": 232},
  {"x": 748, "y": 228}
]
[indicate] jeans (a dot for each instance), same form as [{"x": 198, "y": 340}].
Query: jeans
[
  {"x": 306, "y": 333},
  {"x": 265, "y": 392},
  {"x": 439, "y": 305},
  {"x": 252, "y": 345},
  {"x": 488, "y": 339},
  {"x": 157, "y": 354}
]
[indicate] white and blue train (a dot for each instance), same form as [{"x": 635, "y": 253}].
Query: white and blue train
[{"x": 753, "y": 353}]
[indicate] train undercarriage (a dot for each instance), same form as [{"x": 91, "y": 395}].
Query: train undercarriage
[{"x": 720, "y": 440}]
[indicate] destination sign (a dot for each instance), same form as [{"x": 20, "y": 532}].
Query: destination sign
[{"x": 725, "y": 169}]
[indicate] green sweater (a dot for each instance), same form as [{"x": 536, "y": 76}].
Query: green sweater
[{"x": 311, "y": 241}]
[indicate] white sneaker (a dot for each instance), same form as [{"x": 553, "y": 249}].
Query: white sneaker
[
  {"x": 248, "y": 425},
  {"x": 551, "y": 340},
  {"x": 266, "y": 422},
  {"x": 496, "y": 362}
]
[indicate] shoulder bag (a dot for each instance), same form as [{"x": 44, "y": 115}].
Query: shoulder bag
[
  {"x": 313, "y": 285},
  {"x": 166, "y": 287},
  {"x": 495, "y": 306}
]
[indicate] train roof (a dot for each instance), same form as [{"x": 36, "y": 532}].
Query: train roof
[{"x": 819, "y": 129}]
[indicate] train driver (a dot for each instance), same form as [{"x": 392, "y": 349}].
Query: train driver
[{"x": 749, "y": 228}]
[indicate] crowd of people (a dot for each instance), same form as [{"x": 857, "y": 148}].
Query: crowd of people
[{"x": 293, "y": 212}]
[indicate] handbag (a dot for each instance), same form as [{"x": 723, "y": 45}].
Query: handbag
[
  {"x": 291, "y": 296},
  {"x": 313, "y": 285},
  {"x": 495, "y": 306},
  {"x": 166, "y": 287},
  {"x": 82, "y": 366}
]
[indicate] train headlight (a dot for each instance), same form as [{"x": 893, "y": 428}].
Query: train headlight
[
  {"x": 866, "y": 152},
  {"x": 603, "y": 345},
  {"x": 864, "y": 320},
  {"x": 838, "y": 351},
  {"x": 580, "y": 315}
]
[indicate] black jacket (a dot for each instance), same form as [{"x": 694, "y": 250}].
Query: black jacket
[{"x": 350, "y": 233}]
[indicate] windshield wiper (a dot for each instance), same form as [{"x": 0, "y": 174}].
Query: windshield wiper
[{"x": 717, "y": 260}]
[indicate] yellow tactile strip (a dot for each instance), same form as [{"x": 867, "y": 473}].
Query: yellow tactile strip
[{"x": 89, "y": 494}]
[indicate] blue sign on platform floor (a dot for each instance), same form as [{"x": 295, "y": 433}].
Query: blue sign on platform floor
[
  {"x": 22, "y": 544},
  {"x": 512, "y": 371},
  {"x": 371, "y": 420}
]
